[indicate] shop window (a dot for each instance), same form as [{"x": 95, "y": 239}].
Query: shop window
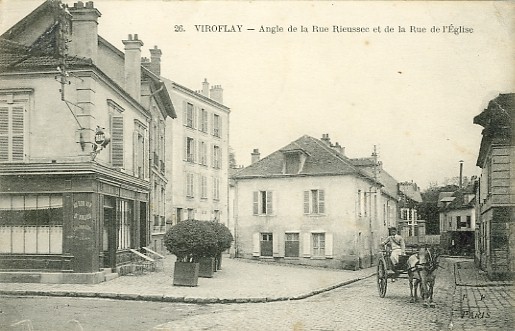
[
  {"x": 125, "y": 216},
  {"x": 31, "y": 224}
]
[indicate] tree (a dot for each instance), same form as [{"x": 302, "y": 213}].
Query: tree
[{"x": 232, "y": 158}]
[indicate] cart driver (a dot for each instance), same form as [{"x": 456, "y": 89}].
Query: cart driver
[{"x": 396, "y": 244}]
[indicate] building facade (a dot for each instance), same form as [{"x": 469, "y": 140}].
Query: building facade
[
  {"x": 457, "y": 216},
  {"x": 307, "y": 203},
  {"x": 495, "y": 244},
  {"x": 199, "y": 164},
  {"x": 75, "y": 119},
  {"x": 409, "y": 199}
]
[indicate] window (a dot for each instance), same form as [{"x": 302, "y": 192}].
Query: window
[
  {"x": 190, "y": 185},
  {"x": 124, "y": 224},
  {"x": 140, "y": 150},
  {"x": 318, "y": 249},
  {"x": 458, "y": 222},
  {"x": 217, "y": 157},
  {"x": 217, "y": 126},
  {"x": 404, "y": 213},
  {"x": 190, "y": 115},
  {"x": 314, "y": 202},
  {"x": 203, "y": 120},
  {"x": 262, "y": 203},
  {"x": 203, "y": 187},
  {"x": 292, "y": 163},
  {"x": 190, "y": 149},
  {"x": 469, "y": 221},
  {"x": 489, "y": 176},
  {"x": 216, "y": 188},
  {"x": 216, "y": 215},
  {"x": 31, "y": 224},
  {"x": 12, "y": 132},
  {"x": 191, "y": 214},
  {"x": 291, "y": 245},
  {"x": 203, "y": 152},
  {"x": 360, "y": 203}
]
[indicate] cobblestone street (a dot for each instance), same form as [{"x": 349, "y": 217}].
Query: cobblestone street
[{"x": 354, "y": 307}]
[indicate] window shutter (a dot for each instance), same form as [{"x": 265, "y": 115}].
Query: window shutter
[
  {"x": 212, "y": 155},
  {"x": 306, "y": 245},
  {"x": 117, "y": 141},
  {"x": 213, "y": 125},
  {"x": 184, "y": 113},
  {"x": 4, "y": 134},
  {"x": 321, "y": 201},
  {"x": 306, "y": 202},
  {"x": 146, "y": 147},
  {"x": 194, "y": 151},
  {"x": 18, "y": 129},
  {"x": 135, "y": 153},
  {"x": 269, "y": 200},
  {"x": 255, "y": 244},
  {"x": 329, "y": 245},
  {"x": 195, "y": 116},
  {"x": 276, "y": 244},
  {"x": 255, "y": 209},
  {"x": 219, "y": 127},
  {"x": 185, "y": 148}
]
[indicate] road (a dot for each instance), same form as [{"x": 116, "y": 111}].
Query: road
[{"x": 353, "y": 307}]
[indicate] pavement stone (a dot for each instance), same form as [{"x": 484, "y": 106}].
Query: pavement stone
[{"x": 239, "y": 281}]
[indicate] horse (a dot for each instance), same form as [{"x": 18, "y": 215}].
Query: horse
[{"x": 422, "y": 273}]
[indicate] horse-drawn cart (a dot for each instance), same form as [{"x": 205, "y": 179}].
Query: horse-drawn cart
[{"x": 386, "y": 269}]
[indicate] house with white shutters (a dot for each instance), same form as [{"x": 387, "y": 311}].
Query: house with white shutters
[{"x": 308, "y": 203}]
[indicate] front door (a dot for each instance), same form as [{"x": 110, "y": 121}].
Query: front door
[
  {"x": 143, "y": 224},
  {"x": 109, "y": 235},
  {"x": 266, "y": 244}
]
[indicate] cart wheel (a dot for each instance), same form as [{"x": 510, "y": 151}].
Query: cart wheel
[{"x": 382, "y": 278}]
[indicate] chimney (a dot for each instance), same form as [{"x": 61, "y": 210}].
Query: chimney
[
  {"x": 84, "y": 37},
  {"x": 325, "y": 138},
  {"x": 337, "y": 147},
  {"x": 461, "y": 173},
  {"x": 133, "y": 66},
  {"x": 155, "y": 60},
  {"x": 205, "y": 88},
  {"x": 217, "y": 93},
  {"x": 255, "y": 156}
]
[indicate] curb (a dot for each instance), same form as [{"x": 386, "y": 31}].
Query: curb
[{"x": 176, "y": 299}]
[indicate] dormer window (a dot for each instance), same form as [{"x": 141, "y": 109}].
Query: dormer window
[{"x": 293, "y": 161}]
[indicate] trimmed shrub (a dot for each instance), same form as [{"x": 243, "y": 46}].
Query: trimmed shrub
[{"x": 190, "y": 240}]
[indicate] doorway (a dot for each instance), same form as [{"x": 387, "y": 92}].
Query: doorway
[
  {"x": 109, "y": 233},
  {"x": 267, "y": 244}
]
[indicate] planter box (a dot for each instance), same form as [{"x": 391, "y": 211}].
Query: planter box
[
  {"x": 207, "y": 266},
  {"x": 185, "y": 274}
]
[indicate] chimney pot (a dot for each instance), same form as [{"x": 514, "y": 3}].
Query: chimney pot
[{"x": 255, "y": 156}]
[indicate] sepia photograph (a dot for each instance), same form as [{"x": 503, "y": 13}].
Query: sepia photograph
[{"x": 257, "y": 165}]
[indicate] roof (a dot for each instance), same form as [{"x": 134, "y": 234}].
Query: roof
[
  {"x": 497, "y": 120},
  {"x": 411, "y": 191},
  {"x": 321, "y": 160},
  {"x": 374, "y": 169}
]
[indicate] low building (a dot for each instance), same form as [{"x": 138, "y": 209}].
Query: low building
[
  {"x": 458, "y": 221},
  {"x": 308, "y": 203},
  {"x": 410, "y": 225},
  {"x": 496, "y": 190}
]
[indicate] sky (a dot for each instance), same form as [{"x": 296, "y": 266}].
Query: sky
[{"x": 413, "y": 94}]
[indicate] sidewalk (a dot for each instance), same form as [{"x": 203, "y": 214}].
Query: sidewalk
[
  {"x": 479, "y": 303},
  {"x": 239, "y": 281}
]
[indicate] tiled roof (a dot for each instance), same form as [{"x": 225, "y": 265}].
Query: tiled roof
[
  {"x": 368, "y": 166},
  {"x": 320, "y": 160},
  {"x": 410, "y": 191}
]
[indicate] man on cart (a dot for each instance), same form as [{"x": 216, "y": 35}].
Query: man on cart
[{"x": 395, "y": 244}]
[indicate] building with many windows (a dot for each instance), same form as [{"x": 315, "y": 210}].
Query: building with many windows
[
  {"x": 308, "y": 203},
  {"x": 495, "y": 241},
  {"x": 76, "y": 135},
  {"x": 199, "y": 163}
]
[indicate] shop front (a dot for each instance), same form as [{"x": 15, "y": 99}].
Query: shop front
[{"x": 66, "y": 223}]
